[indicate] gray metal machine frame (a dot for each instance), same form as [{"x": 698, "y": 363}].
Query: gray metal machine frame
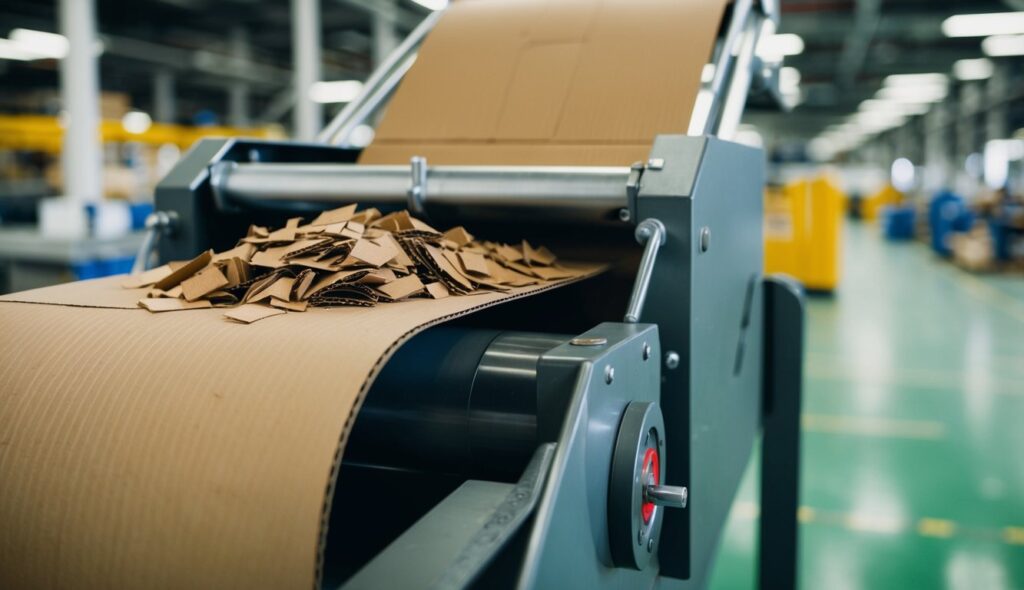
[{"x": 707, "y": 339}]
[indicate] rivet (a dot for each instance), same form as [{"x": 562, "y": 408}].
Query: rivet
[
  {"x": 609, "y": 374},
  {"x": 671, "y": 359},
  {"x": 640, "y": 537},
  {"x": 647, "y": 351},
  {"x": 705, "y": 238},
  {"x": 650, "y": 545}
]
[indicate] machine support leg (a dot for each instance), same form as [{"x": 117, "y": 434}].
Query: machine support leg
[{"x": 780, "y": 449}]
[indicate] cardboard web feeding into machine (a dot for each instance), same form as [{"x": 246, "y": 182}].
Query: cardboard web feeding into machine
[{"x": 343, "y": 258}]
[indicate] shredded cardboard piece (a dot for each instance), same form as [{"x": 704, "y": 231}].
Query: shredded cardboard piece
[
  {"x": 250, "y": 313},
  {"x": 344, "y": 258},
  {"x": 161, "y": 304}
]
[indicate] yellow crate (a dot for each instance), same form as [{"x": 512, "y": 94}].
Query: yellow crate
[
  {"x": 803, "y": 232},
  {"x": 872, "y": 206}
]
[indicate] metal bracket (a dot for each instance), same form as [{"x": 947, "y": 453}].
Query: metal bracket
[
  {"x": 417, "y": 195},
  {"x": 651, "y": 234},
  {"x": 636, "y": 172}
]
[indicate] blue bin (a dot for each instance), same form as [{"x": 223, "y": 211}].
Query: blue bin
[
  {"x": 140, "y": 211},
  {"x": 947, "y": 213},
  {"x": 95, "y": 269},
  {"x": 898, "y": 223}
]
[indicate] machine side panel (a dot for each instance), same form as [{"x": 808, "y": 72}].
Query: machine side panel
[
  {"x": 664, "y": 195},
  {"x": 569, "y": 545},
  {"x": 726, "y": 339}
]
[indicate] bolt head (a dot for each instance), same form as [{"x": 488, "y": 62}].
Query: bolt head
[
  {"x": 640, "y": 537},
  {"x": 647, "y": 351},
  {"x": 671, "y": 359},
  {"x": 705, "y": 238},
  {"x": 609, "y": 374},
  {"x": 624, "y": 215},
  {"x": 650, "y": 545}
]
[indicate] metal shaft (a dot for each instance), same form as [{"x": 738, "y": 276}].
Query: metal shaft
[
  {"x": 597, "y": 192},
  {"x": 668, "y": 496}
]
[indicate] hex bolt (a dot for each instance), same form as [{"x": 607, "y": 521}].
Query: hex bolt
[
  {"x": 671, "y": 359},
  {"x": 609, "y": 374},
  {"x": 647, "y": 351},
  {"x": 705, "y": 238}
]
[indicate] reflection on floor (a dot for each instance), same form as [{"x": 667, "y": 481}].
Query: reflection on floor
[{"x": 913, "y": 421}]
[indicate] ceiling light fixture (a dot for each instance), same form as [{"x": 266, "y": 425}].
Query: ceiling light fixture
[
  {"x": 335, "y": 92},
  {"x": 774, "y": 48},
  {"x": 973, "y": 69},
  {"x": 1003, "y": 45},
  {"x": 983, "y": 25},
  {"x": 48, "y": 45}
]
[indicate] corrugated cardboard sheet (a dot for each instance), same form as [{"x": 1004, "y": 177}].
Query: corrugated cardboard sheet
[
  {"x": 572, "y": 82},
  {"x": 179, "y": 450},
  {"x": 182, "y": 450}
]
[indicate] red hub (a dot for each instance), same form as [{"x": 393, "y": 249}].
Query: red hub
[{"x": 650, "y": 466}]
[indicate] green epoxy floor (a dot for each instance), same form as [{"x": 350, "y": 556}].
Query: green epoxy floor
[{"x": 913, "y": 421}]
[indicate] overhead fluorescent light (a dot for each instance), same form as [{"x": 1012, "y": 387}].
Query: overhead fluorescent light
[
  {"x": 774, "y": 48},
  {"x": 913, "y": 94},
  {"x": 983, "y": 25},
  {"x": 889, "y": 106},
  {"x": 432, "y": 4},
  {"x": 337, "y": 91},
  {"x": 136, "y": 122},
  {"x": 15, "y": 51},
  {"x": 48, "y": 45},
  {"x": 973, "y": 69},
  {"x": 931, "y": 79},
  {"x": 1003, "y": 45}
]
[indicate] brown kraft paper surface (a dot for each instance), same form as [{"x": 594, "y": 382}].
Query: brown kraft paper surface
[
  {"x": 549, "y": 82},
  {"x": 181, "y": 450}
]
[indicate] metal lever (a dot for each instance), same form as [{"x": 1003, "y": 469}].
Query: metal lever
[
  {"x": 418, "y": 188},
  {"x": 157, "y": 224},
  {"x": 651, "y": 234},
  {"x": 667, "y": 496}
]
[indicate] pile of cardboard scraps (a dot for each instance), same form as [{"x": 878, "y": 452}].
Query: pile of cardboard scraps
[{"x": 343, "y": 258}]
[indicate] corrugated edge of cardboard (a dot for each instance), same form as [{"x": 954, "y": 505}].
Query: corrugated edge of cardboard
[{"x": 325, "y": 513}]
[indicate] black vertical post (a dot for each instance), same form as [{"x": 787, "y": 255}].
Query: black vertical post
[{"x": 780, "y": 448}]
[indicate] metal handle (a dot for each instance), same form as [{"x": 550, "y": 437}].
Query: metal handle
[
  {"x": 667, "y": 496},
  {"x": 158, "y": 223},
  {"x": 651, "y": 233}
]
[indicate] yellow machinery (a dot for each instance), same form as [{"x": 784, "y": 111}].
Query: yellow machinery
[
  {"x": 803, "y": 232},
  {"x": 44, "y": 134},
  {"x": 872, "y": 206}
]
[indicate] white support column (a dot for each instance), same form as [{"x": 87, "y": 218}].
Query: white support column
[
  {"x": 385, "y": 35},
  {"x": 238, "y": 92},
  {"x": 165, "y": 108},
  {"x": 308, "y": 115},
  {"x": 82, "y": 153}
]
